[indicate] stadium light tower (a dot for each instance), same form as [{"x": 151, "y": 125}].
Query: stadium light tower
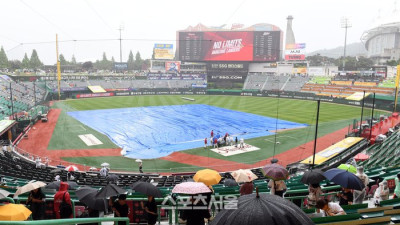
[
  {"x": 345, "y": 23},
  {"x": 121, "y": 28}
]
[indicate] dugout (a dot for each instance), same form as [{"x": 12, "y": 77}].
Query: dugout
[{"x": 8, "y": 131}]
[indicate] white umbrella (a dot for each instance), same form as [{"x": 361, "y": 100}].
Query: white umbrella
[
  {"x": 105, "y": 164},
  {"x": 29, "y": 187},
  {"x": 3, "y": 193},
  {"x": 243, "y": 176},
  {"x": 71, "y": 168},
  {"x": 138, "y": 160}
]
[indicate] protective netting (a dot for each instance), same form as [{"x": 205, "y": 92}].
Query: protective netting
[{"x": 157, "y": 131}]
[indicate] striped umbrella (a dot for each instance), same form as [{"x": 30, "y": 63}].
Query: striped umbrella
[{"x": 71, "y": 168}]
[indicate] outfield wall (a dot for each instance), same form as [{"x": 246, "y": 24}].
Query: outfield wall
[{"x": 380, "y": 103}]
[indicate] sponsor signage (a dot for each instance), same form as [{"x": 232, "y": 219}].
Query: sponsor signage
[
  {"x": 120, "y": 66},
  {"x": 294, "y": 57},
  {"x": 173, "y": 66},
  {"x": 95, "y": 95},
  {"x": 163, "y": 51},
  {"x": 295, "y": 52},
  {"x": 296, "y": 46}
]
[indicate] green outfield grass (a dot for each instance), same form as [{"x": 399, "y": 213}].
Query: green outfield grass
[{"x": 332, "y": 117}]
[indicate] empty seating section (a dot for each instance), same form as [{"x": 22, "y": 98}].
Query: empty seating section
[
  {"x": 257, "y": 81},
  {"x": 384, "y": 154},
  {"x": 23, "y": 94},
  {"x": 343, "y": 90},
  {"x": 115, "y": 84}
]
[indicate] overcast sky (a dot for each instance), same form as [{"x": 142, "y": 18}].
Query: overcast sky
[{"x": 316, "y": 23}]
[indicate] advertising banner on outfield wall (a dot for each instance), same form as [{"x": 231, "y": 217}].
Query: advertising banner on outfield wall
[{"x": 108, "y": 94}]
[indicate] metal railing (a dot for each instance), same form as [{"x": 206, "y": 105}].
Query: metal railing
[{"x": 68, "y": 221}]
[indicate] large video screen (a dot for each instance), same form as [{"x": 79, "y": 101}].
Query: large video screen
[{"x": 230, "y": 46}]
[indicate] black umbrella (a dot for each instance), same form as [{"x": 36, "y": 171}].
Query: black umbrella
[
  {"x": 110, "y": 190},
  {"x": 344, "y": 179},
  {"x": 275, "y": 172},
  {"x": 56, "y": 170},
  {"x": 313, "y": 177},
  {"x": 56, "y": 185},
  {"x": 112, "y": 178},
  {"x": 87, "y": 195},
  {"x": 261, "y": 209},
  {"x": 146, "y": 188},
  {"x": 222, "y": 217},
  {"x": 230, "y": 183}
]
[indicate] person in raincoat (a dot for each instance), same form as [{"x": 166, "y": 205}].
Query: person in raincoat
[
  {"x": 359, "y": 196},
  {"x": 381, "y": 193},
  {"x": 59, "y": 197}
]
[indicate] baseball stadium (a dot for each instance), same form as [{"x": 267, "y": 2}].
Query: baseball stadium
[{"x": 226, "y": 101}]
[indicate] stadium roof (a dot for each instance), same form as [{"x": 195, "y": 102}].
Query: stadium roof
[{"x": 256, "y": 27}]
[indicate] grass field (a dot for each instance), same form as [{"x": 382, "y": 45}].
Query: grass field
[{"x": 332, "y": 117}]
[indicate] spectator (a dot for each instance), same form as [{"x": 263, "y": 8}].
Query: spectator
[
  {"x": 120, "y": 208},
  {"x": 241, "y": 143},
  {"x": 194, "y": 215},
  {"x": 381, "y": 193},
  {"x": 330, "y": 208},
  {"x": 36, "y": 200},
  {"x": 358, "y": 196},
  {"x": 103, "y": 172},
  {"x": 57, "y": 178},
  {"x": 246, "y": 188},
  {"x": 277, "y": 187},
  {"x": 62, "y": 196},
  {"x": 141, "y": 167},
  {"x": 314, "y": 193},
  {"x": 345, "y": 197},
  {"x": 151, "y": 208},
  {"x": 397, "y": 189}
]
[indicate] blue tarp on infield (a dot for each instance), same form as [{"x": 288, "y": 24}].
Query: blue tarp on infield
[{"x": 157, "y": 131}]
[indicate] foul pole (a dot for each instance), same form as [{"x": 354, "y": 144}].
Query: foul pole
[{"x": 58, "y": 69}]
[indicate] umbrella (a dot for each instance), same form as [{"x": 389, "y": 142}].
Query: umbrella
[
  {"x": 344, "y": 179},
  {"x": 261, "y": 209},
  {"x": 191, "y": 188},
  {"x": 138, "y": 160},
  {"x": 112, "y": 178},
  {"x": 275, "y": 172},
  {"x": 313, "y": 177},
  {"x": 3, "y": 193},
  {"x": 105, "y": 164},
  {"x": 87, "y": 195},
  {"x": 361, "y": 157},
  {"x": 92, "y": 168},
  {"x": 56, "y": 170},
  {"x": 110, "y": 190},
  {"x": 14, "y": 212},
  {"x": 56, "y": 185},
  {"x": 146, "y": 188},
  {"x": 207, "y": 176},
  {"x": 243, "y": 176},
  {"x": 29, "y": 187},
  {"x": 347, "y": 167},
  {"x": 71, "y": 168},
  {"x": 230, "y": 183}
]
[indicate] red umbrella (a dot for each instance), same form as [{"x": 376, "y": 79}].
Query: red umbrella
[
  {"x": 71, "y": 168},
  {"x": 361, "y": 157}
]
